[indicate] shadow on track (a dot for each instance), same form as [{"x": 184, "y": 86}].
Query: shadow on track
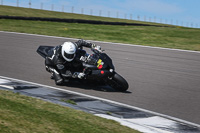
[{"x": 88, "y": 85}]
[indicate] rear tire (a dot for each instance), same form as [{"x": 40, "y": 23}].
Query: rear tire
[{"x": 118, "y": 82}]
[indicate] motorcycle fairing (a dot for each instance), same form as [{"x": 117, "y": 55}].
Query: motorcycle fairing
[{"x": 44, "y": 50}]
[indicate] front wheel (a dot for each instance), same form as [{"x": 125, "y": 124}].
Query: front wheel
[{"x": 118, "y": 82}]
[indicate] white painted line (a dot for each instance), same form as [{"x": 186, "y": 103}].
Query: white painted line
[
  {"x": 106, "y": 100},
  {"x": 4, "y": 81},
  {"x": 143, "y": 124},
  {"x": 7, "y": 86},
  {"x": 133, "y": 45},
  {"x": 28, "y": 34}
]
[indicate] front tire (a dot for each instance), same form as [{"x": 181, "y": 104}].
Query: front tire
[{"x": 118, "y": 82}]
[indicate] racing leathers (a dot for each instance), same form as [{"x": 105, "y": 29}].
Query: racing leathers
[{"x": 62, "y": 69}]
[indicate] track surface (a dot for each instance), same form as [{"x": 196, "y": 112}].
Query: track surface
[{"x": 160, "y": 80}]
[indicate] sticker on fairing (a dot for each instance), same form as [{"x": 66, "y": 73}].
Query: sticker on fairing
[{"x": 99, "y": 62}]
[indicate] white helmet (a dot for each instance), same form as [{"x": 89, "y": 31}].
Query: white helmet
[{"x": 68, "y": 51}]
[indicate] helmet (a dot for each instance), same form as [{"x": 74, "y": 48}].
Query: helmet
[{"x": 68, "y": 51}]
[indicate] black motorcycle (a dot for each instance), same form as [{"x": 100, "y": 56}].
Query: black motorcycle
[{"x": 97, "y": 67}]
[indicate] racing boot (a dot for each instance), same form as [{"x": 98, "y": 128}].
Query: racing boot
[{"x": 58, "y": 79}]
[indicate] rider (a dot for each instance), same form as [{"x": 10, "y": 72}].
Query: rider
[{"x": 65, "y": 60}]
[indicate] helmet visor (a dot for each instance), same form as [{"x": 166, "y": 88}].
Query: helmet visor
[{"x": 69, "y": 56}]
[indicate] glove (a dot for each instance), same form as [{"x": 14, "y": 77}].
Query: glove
[
  {"x": 96, "y": 47},
  {"x": 81, "y": 75},
  {"x": 78, "y": 75}
]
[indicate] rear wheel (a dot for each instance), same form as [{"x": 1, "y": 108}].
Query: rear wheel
[{"x": 118, "y": 82}]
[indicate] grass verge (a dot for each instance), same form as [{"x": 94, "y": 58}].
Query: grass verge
[
  {"x": 167, "y": 37},
  {"x": 20, "y": 113},
  {"x": 28, "y": 12}
]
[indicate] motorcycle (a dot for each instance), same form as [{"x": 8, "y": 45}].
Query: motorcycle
[{"x": 97, "y": 67}]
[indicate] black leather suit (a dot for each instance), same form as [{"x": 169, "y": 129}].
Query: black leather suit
[{"x": 59, "y": 67}]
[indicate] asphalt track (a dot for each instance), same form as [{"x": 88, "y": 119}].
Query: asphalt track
[{"x": 161, "y": 80}]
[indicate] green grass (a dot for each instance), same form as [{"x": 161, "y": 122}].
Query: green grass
[
  {"x": 168, "y": 37},
  {"x": 20, "y": 113},
  {"x": 69, "y": 101},
  {"x": 27, "y": 12}
]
